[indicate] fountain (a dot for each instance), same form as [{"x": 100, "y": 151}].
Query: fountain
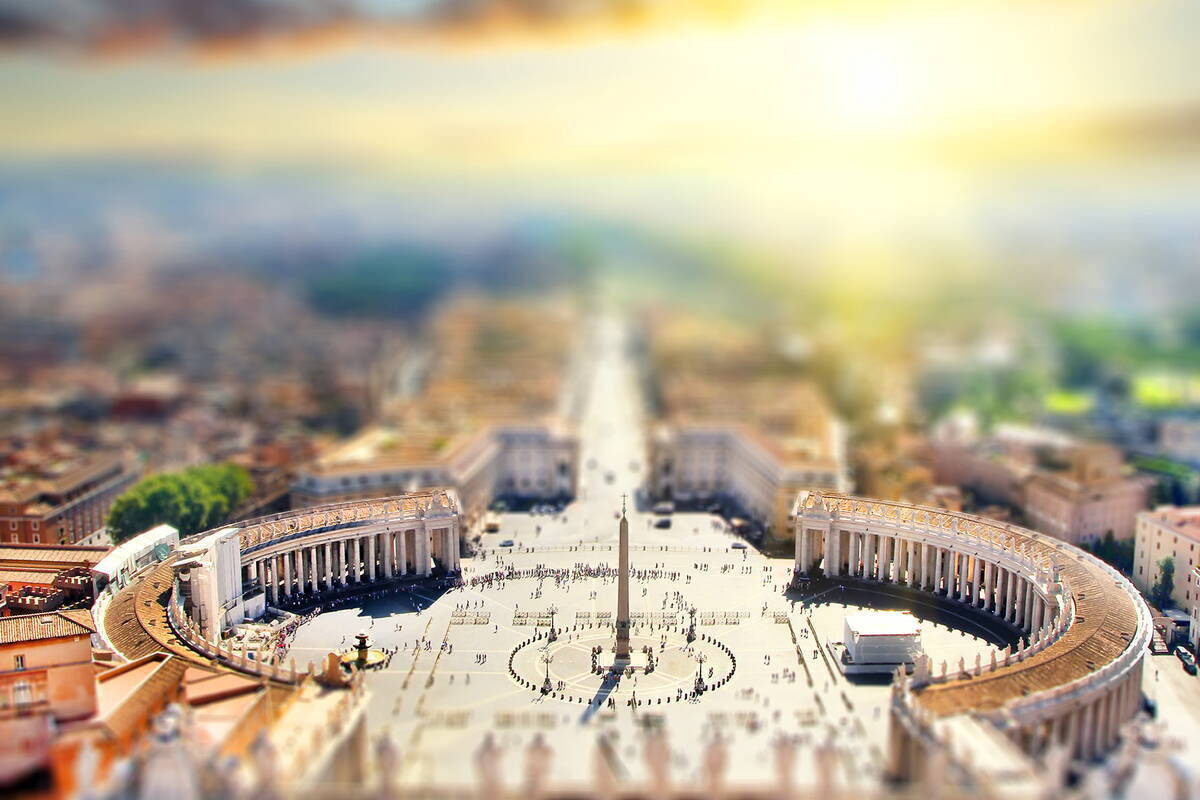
[{"x": 361, "y": 655}]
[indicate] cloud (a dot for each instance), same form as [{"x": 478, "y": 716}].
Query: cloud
[{"x": 120, "y": 26}]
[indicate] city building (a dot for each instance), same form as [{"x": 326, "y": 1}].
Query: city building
[
  {"x": 994, "y": 468},
  {"x": 43, "y": 577},
  {"x": 1091, "y": 499},
  {"x": 1074, "y": 491},
  {"x": 53, "y": 494},
  {"x": 735, "y": 428},
  {"x": 492, "y": 417},
  {"x": 743, "y": 471},
  {"x": 46, "y": 679},
  {"x": 1169, "y": 532},
  {"x": 1194, "y": 611},
  {"x": 1179, "y": 439},
  {"x": 514, "y": 462}
]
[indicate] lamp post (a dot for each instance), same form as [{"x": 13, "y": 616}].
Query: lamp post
[
  {"x": 700, "y": 674},
  {"x": 546, "y": 659}
]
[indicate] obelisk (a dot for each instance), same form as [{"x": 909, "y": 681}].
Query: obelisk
[{"x": 622, "y": 648}]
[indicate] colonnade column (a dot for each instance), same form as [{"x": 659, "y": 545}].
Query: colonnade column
[
  {"x": 832, "y": 567},
  {"x": 1087, "y": 742},
  {"x": 989, "y": 577},
  {"x": 371, "y": 557},
  {"x": 1010, "y": 605},
  {"x": 387, "y": 555},
  {"x": 328, "y": 565},
  {"x": 998, "y": 607},
  {"x": 423, "y": 551},
  {"x": 451, "y": 549},
  {"x": 1027, "y": 614},
  {"x": 976, "y": 580},
  {"x": 869, "y": 559},
  {"x": 287, "y": 575},
  {"x": 298, "y": 566},
  {"x": 401, "y": 552}
]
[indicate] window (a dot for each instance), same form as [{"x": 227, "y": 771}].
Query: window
[
  {"x": 36, "y": 525},
  {"x": 22, "y": 694},
  {"x": 19, "y": 662}
]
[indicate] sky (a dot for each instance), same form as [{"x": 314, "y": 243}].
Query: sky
[{"x": 851, "y": 113}]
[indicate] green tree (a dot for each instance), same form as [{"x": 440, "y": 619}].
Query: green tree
[
  {"x": 1118, "y": 554},
  {"x": 1160, "y": 592},
  {"x": 193, "y": 500}
]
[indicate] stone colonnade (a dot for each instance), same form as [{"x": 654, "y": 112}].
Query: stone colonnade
[
  {"x": 1020, "y": 576},
  {"x": 1002, "y": 588},
  {"x": 324, "y": 561}
]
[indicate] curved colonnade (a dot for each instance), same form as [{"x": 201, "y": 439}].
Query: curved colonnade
[
  {"x": 1076, "y": 682},
  {"x": 338, "y": 546},
  {"x": 303, "y": 554}
]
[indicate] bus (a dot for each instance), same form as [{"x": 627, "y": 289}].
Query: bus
[{"x": 491, "y": 523}]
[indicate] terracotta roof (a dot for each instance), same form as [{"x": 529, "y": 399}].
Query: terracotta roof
[
  {"x": 145, "y": 698},
  {"x": 43, "y": 577},
  {"x": 67, "y": 554},
  {"x": 54, "y": 625}
]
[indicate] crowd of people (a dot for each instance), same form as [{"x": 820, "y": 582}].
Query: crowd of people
[{"x": 282, "y": 640}]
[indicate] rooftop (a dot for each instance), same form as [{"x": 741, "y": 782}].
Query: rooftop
[
  {"x": 13, "y": 555},
  {"x": 1183, "y": 520},
  {"x": 54, "y": 625},
  {"x": 883, "y": 623}
]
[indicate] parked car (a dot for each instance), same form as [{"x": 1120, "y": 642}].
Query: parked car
[
  {"x": 665, "y": 522},
  {"x": 1188, "y": 660},
  {"x": 738, "y": 545},
  {"x": 665, "y": 507},
  {"x": 507, "y": 543}
]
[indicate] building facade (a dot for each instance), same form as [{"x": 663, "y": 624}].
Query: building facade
[
  {"x": 515, "y": 462},
  {"x": 61, "y": 501},
  {"x": 1089, "y": 501},
  {"x": 46, "y": 679},
  {"x": 1168, "y": 532},
  {"x": 731, "y": 465},
  {"x": 1179, "y": 438}
]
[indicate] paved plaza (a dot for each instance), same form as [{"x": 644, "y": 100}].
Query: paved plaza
[
  {"x": 435, "y": 700},
  {"x": 771, "y": 653}
]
